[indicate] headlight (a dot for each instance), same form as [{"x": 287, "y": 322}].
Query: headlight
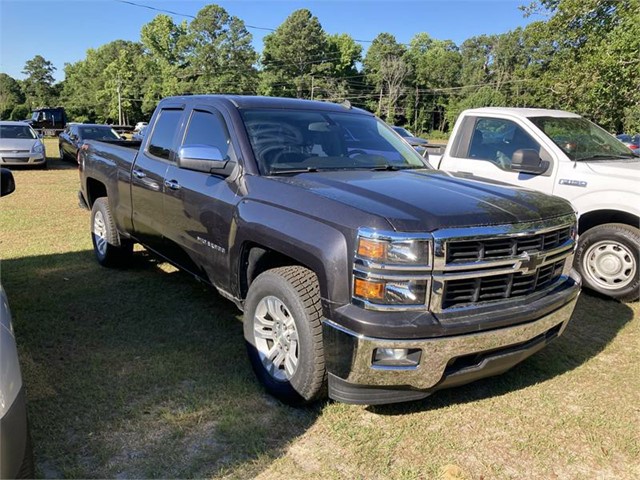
[
  {"x": 391, "y": 270},
  {"x": 390, "y": 292},
  {"x": 38, "y": 147},
  {"x": 394, "y": 251}
]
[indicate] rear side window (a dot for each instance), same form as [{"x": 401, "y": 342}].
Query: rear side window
[
  {"x": 206, "y": 128},
  {"x": 161, "y": 143}
]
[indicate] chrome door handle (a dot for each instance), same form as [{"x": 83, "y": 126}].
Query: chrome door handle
[
  {"x": 172, "y": 184},
  {"x": 139, "y": 174}
]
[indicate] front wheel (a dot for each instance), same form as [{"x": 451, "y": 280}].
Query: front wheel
[
  {"x": 608, "y": 259},
  {"x": 283, "y": 333},
  {"x": 109, "y": 248}
]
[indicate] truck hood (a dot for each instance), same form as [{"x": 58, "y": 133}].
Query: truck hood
[
  {"x": 625, "y": 169},
  {"x": 426, "y": 200}
]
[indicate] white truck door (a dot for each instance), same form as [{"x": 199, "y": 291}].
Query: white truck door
[{"x": 484, "y": 146}]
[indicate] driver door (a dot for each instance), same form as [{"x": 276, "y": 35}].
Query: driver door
[{"x": 489, "y": 151}]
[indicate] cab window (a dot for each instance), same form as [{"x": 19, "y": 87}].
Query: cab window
[
  {"x": 208, "y": 129},
  {"x": 496, "y": 139},
  {"x": 161, "y": 142}
]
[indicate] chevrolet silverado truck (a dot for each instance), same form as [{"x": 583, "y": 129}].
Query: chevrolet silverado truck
[
  {"x": 563, "y": 154},
  {"x": 362, "y": 272}
]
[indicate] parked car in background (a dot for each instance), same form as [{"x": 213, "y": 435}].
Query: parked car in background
[
  {"x": 70, "y": 141},
  {"x": 139, "y": 135},
  {"x": 20, "y": 145},
  {"x": 419, "y": 144},
  {"x": 49, "y": 119},
  {"x": 410, "y": 137},
  {"x": 139, "y": 126},
  {"x": 562, "y": 154},
  {"x": 16, "y": 455},
  {"x": 633, "y": 142}
]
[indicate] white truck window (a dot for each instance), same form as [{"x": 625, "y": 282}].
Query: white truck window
[{"x": 496, "y": 139}]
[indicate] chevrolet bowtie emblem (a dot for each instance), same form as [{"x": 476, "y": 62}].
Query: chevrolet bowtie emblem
[{"x": 529, "y": 262}]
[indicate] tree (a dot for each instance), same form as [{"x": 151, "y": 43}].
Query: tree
[
  {"x": 38, "y": 84},
  {"x": 221, "y": 57},
  {"x": 382, "y": 64},
  {"x": 166, "y": 57},
  {"x": 91, "y": 85},
  {"x": 293, "y": 55},
  {"x": 10, "y": 95},
  {"x": 436, "y": 68}
]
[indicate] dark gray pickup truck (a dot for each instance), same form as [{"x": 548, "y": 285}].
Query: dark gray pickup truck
[{"x": 361, "y": 271}]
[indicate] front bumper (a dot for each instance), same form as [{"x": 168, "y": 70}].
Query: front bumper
[
  {"x": 444, "y": 361},
  {"x": 15, "y": 159}
]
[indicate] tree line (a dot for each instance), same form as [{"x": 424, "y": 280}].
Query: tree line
[{"x": 583, "y": 56}]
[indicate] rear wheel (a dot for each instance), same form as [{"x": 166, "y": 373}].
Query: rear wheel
[
  {"x": 608, "y": 259},
  {"x": 109, "y": 248},
  {"x": 283, "y": 333}
]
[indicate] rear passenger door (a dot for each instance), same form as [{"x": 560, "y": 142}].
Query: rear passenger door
[
  {"x": 148, "y": 173},
  {"x": 199, "y": 206}
]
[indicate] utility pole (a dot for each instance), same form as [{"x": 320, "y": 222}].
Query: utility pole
[
  {"x": 120, "y": 122},
  {"x": 312, "y": 87}
]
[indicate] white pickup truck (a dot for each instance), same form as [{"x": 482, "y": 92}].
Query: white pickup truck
[{"x": 563, "y": 154}]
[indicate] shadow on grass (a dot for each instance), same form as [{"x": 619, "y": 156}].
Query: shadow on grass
[
  {"x": 594, "y": 324},
  {"x": 139, "y": 373}
]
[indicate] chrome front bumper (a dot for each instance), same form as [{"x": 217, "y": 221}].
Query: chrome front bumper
[
  {"x": 16, "y": 159},
  {"x": 350, "y": 357}
]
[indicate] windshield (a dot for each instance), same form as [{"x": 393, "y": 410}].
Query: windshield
[
  {"x": 306, "y": 140},
  {"x": 98, "y": 133},
  {"x": 17, "y": 131},
  {"x": 580, "y": 139}
]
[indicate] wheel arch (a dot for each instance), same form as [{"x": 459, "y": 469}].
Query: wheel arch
[
  {"x": 600, "y": 217},
  {"x": 95, "y": 190},
  {"x": 269, "y": 237}
]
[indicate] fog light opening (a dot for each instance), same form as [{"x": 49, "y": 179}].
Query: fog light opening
[{"x": 396, "y": 357}]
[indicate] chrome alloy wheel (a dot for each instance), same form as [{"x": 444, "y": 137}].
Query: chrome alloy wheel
[
  {"x": 100, "y": 233},
  {"x": 276, "y": 338},
  {"x": 610, "y": 264}
]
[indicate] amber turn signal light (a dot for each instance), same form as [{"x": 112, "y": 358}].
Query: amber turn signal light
[
  {"x": 368, "y": 290},
  {"x": 370, "y": 248}
]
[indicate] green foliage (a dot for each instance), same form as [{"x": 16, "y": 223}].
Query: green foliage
[
  {"x": 583, "y": 57},
  {"x": 294, "y": 54},
  {"x": 10, "y": 95},
  {"x": 221, "y": 55},
  {"x": 20, "y": 112},
  {"x": 37, "y": 87}
]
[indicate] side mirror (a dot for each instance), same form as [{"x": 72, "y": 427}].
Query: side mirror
[
  {"x": 526, "y": 160},
  {"x": 204, "y": 158},
  {"x": 8, "y": 183}
]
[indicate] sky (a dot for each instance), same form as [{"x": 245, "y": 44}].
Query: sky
[{"x": 62, "y": 31}]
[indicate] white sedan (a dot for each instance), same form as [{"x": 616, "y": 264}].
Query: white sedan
[{"x": 20, "y": 145}]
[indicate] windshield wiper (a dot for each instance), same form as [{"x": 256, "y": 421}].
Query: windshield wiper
[
  {"x": 602, "y": 156},
  {"x": 285, "y": 171},
  {"x": 393, "y": 168}
]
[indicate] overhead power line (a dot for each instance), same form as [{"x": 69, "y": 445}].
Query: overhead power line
[{"x": 187, "y": 15}]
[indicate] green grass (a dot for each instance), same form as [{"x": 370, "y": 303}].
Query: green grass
[{"x": 142, "y": 372}]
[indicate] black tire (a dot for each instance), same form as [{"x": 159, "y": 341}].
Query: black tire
[
  {"x": 298, "y": 291},
  {"x": 109, "y": 248},
  {"x": 622, "y": 243},
  {"x": 63, "y": 155}
]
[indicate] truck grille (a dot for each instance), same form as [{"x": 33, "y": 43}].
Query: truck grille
[
  {"x": 497, "y": 263},
  {"x": 472, "y": 290},
  {"x": 475, "y": 251}
]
